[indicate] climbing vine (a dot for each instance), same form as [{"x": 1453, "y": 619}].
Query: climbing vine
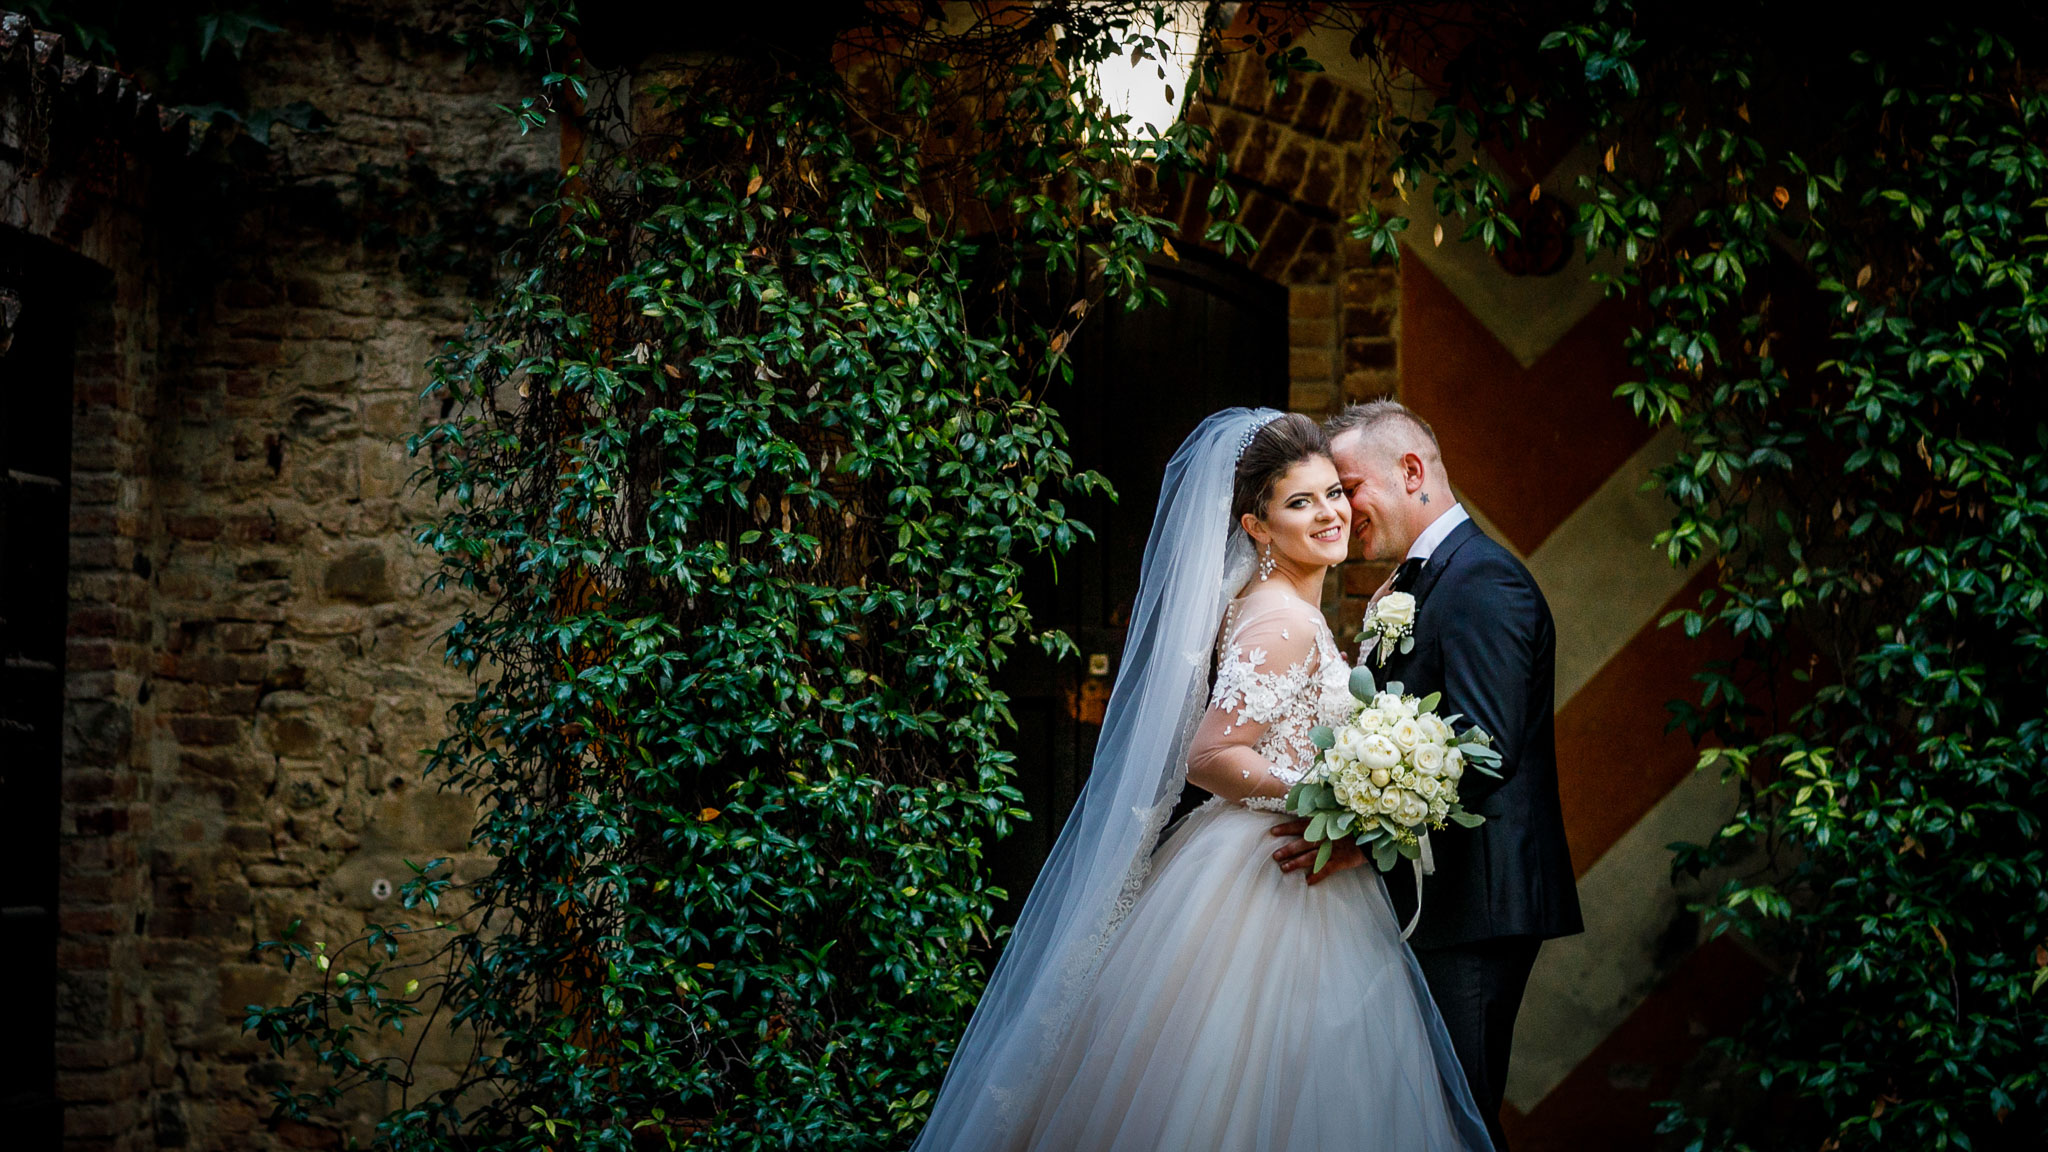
[
  {"x": 738, "y": 476},
  {"x": 1836, "y": 233}
]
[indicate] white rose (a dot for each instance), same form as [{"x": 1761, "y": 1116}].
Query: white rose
[
  {"x": 1434, "y": 728},
  {"x": 1373, "y": 720},
  {"x": 1454, "y": 764},
  {"x": 1429, "y": 758},
  {"x": 1389, "y": 705},
  {"x": 1406, "y": 734},
  {"x": 1395, "y": 610},
  {"x": 1426, "y": 788},
  {"x": 1379, "y": 753},
  {"x": 1390, "y": 801},
  {"x": 1350, "y": 742},
  {"x": 1341, "y": 788},
  {"x": 1415, "y": 811}
]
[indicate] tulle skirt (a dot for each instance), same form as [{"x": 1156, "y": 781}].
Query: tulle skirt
[{"x": 1241, "y": 1010}]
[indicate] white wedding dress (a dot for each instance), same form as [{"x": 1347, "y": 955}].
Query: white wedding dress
[
  {"x": 1237, "y": 1008},
  {"x": 1186, "y": 995}
]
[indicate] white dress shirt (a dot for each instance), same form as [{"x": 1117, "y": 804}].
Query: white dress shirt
[{"x": 1435, "y": 533}]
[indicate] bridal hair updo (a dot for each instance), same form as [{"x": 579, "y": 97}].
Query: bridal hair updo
[{"x": 1280, "y": 445}]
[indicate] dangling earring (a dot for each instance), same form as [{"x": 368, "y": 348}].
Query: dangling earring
[{"x": 1266, "y": 562}]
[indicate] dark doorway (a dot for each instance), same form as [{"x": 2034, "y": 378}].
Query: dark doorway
[
  {"x": 37, "y": 326},
  {"x": 1142, "y": 381}
]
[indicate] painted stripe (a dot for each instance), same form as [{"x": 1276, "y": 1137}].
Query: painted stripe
[
  {"x": 1608, "y": 1100},
  {"x": 1616, "y": 757},
  {"x": 1585, "y": 986},
  {"x": 1530, "y": 444},
  {"x": 1600, "y": 572}
]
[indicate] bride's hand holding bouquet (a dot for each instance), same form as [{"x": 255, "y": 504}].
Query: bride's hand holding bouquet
[{"x": 1388, "y": 775}]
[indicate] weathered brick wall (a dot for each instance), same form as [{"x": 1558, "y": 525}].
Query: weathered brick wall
[{"x": 252, "y": 666}]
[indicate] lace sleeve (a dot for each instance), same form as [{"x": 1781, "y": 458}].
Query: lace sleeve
[{"x": 1246, "y": 748}]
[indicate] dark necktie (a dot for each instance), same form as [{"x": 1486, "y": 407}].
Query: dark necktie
[{"x": 1405, "y": 575}]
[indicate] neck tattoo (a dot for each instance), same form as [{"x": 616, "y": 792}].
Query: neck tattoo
[{"x": 1425, "y": 497}]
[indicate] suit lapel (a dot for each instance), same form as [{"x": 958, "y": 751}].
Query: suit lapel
[{"x": 1440, "y": 559}]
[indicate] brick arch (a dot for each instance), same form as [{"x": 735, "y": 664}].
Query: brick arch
[{"x": 1295, "y": 163}]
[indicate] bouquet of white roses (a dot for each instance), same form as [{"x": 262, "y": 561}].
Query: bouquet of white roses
[{"x": 1388, "y": 774}]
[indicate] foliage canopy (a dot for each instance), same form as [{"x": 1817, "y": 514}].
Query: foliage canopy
[
  {"x": 1836, "y": 235},
  {"x": 738, "y": 476}
]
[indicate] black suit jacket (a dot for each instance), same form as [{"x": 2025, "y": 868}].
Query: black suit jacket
[{"x": 1484, "y": 638}]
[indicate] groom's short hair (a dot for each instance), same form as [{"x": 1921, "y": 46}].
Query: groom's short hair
[{"x": 1374, "y": 416}]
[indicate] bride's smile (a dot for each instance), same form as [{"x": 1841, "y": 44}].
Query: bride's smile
[{"x": 1306, "y": 522}]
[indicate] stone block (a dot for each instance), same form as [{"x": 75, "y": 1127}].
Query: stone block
[
  {"x": 1368, "y": 353},
  {"x": 1288, "y": 164},
  {"x": 1282, "y": 106},
  {"x": 1250, "y": 87},
  {"x": 1321, "y": 181},
  {"x": 326, "y": 370},
  {"x": 192, "y": 527},
  {"x": 291, "y": 736},
  {"x": 1318, "y": 99},
  {"x": 1280, "y": 242},
  {"x": 263, "y": 569},
  {"x": 1311, "y": 332},
  {"x": 1350, "y": 115},
  {"x": 1308, "y": 364},
  {"x": 1251, "y": 158},
  {"x": 1311, "y": 301},
  {"x": 1316, "y": 398},
  {"x": 207, "y": 731},
  {"x": 1364, "y": 384},
  {"x": 360, "y": 575}
]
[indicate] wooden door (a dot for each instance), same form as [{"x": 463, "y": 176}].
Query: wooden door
[{"x": 1142, "y": 381}]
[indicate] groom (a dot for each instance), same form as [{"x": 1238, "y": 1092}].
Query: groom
[{"x": 1483, "y": 637}]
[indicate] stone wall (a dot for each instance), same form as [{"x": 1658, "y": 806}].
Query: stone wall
[{"x": 252, "y": 667}]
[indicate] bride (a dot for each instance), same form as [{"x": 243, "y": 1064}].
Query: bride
[{"x": 1194, "y": 996}]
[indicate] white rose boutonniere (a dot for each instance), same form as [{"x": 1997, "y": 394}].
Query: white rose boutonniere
[{"x": 1389, "y": 627}]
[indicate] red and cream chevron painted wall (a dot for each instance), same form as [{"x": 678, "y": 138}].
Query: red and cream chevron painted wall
[{"x": 1517, "y": 374}]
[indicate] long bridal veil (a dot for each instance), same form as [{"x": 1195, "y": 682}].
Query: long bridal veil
[{"x": 1195, "y": 559}]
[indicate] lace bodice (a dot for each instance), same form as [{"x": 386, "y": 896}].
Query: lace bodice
[{"x": 1277, "y": 665}]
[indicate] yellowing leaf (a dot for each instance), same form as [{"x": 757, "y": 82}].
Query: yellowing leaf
[
  {"x": 754, "y": 185},
  {"x": 1780, "y": 196},
  {"x": 707, "y": 814},
  {"x": 707, "y": 967},
  {"x": 1609, "y": 160},
  {"x": 1863, "y": 276},
  {"x": 1166, "y": 246},
  {"x": 1535, "y": 192},
  {"x": 1438, "y": 236},
  {"x": 1742, "y": 110}
]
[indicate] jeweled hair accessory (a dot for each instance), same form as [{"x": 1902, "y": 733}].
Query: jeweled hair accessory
[{"x": 1252, "y": 433}]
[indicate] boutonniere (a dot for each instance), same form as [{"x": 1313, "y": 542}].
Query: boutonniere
[{"x": 1389, "y": 625}]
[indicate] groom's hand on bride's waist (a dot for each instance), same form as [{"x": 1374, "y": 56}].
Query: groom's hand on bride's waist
[{"x": 1297, "y": 854}]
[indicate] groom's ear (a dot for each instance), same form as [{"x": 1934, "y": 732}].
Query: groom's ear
[{"x": 1414, "y": 475}]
